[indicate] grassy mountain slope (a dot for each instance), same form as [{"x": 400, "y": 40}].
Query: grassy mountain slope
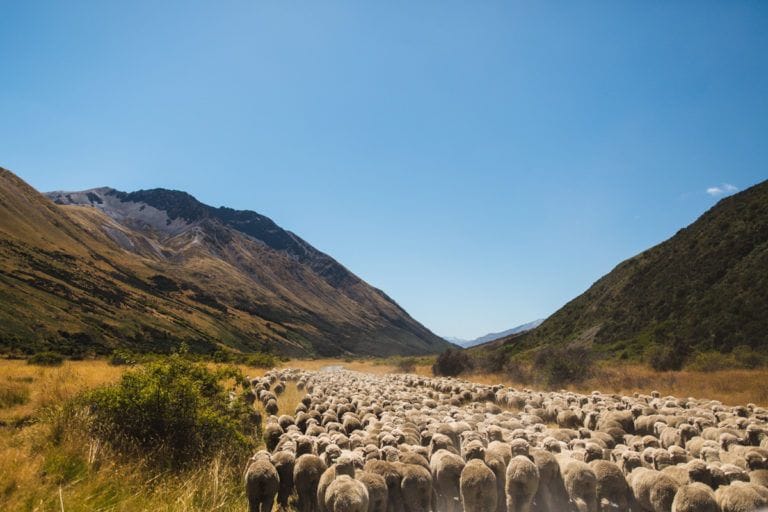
[
  {"x": 706, "y": 288},
  {"x": 148, "y": 270}
]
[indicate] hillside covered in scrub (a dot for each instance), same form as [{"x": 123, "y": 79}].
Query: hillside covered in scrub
[
  {"x": 703, "y": 290},
  {"x": 88, "y": 272}
]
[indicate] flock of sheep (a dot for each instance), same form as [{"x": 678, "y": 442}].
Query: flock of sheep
[{"x": 404, "y": 443}]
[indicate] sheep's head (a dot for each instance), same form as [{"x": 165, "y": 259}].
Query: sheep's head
[{"x": 474, "y": 450}]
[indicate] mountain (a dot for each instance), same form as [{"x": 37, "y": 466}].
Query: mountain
[
  {"x": 494, "y": 335},
  {"x": 99, "y": 269},
  {"x": 706, "y": 288}
]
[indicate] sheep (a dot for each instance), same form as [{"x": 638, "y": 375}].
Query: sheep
[
  {"x": 343, "y": 466},
  {"x": 307, "y": 471},
  {"x": 653, "y": 490},
  {"x": 271, "y": 433},
  {"x": 377, "y": 490},
  {"x": 477, "y": 484},
  {"x": 695, "y": 497},
  {"x": 611, "y": 486},
  {"x": 446, "y": 470},
  {"x": 392, "y": 477},
  {"x": 415, "y": 487},
  {"x": 581, "y": 485},
  {"x": 407, "y": 430},
  {"x": 284, "y": 462},
  {"x": 522, "y": 482},
  {"x": 499, "y": 468},
  {"x": 345, "y": 494},
  {"x": 261, "y": 483},
  {"x": 741, "y": 497},
  {"x": 551, "y": 494}
]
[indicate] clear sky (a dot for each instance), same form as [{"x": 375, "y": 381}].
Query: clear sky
[{"x": 482, "y": 162}]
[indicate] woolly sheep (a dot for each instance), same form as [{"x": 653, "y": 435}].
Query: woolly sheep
[{"x": 261, "y": 483}]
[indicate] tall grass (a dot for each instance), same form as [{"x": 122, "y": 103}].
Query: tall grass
[
  {"x": 731, "y": 387},
  {"x": 46, "y": 460}
]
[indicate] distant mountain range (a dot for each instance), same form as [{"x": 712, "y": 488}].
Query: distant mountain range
[
  {"x": 706, "y": 288},
  {"x": 494, "y": 335},
  {"x": 94, "y": 270}
]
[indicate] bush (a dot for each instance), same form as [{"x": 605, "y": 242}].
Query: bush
[
  {"x": 664, "y": 358},
  {"x": 46, "y": 359},
  {"x": 261, "y": 360},
  {"x": 491, "y": 361},
  {"x": 122, "y": 357},
  {"x": 563, "y": 365},
  {"x": 711, "y": 361},
  {"x": 221, "y": 356},
  {"x": 747, "y": 357},
  {"x": 518, "y": 372},
  {"x": 741, "y": 357},
  {"x": 406, "y": 364},
  {"x": 451, "y": 363},
  {"x": 13, "y": 393},
  {"x": 172, "y": 412}
]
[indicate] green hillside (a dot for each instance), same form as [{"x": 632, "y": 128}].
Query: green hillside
[{"x": 704, "y": 289}]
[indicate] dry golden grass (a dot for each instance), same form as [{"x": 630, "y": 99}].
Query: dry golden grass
[
  {"x": 49, "y": 386},
  {"x": 44, "y": 463},
  {"x": 732, "y": 387},
  {"x": 38, "y": 472}
]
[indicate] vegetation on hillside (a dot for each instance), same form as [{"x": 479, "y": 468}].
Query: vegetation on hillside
[
  {"x": 703, "y": 291},
  {"x": 75, "y": 280}
]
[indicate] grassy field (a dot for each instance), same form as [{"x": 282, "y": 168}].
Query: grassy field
[
  {"x": 731, "y": 387},
  {"x": 45, "y": 465}
]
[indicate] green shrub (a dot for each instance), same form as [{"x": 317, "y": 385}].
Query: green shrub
[
  {"x": 406, "y": 364},
  {"x": 122, "y": 357},
  {"x": 221, "y": 356},
  {"x": 46, "y": 359},
  {"x": 260, "y": 360},
  {"x": 747, "y": 357},
  {"x": 172, "y": 412},
  {"x": 742, "y": 356},
  {"x": 452, "y": 362},
  {"x": 711, "y": 361},
  {"x": 518, "y": 371},
  {"x": 491, "y": 361},
  {"x": 13, "y": 393},
  {"x": 563, "y": 365},
  {"x": 664, "y": 358}
]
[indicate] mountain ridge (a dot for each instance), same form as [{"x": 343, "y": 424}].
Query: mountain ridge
[
  {"x": 492, "y": 336},
  {"x": 150, "y": 269}
]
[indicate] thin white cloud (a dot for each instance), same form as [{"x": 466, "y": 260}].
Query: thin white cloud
[{"x": 722, "y": 190}]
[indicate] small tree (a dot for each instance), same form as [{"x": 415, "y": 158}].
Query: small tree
[
  {"x": 452, "y": 362},
  {"x": 174, "y": 412},
  {"x": 563, "y": 365},
  {"x": 406, "y": 365},
  {"x": 664, "y": 358},
  {"x": 46, "y": 359}
]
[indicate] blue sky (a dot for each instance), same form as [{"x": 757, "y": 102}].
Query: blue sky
[{"x": 482, "y": 162}]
